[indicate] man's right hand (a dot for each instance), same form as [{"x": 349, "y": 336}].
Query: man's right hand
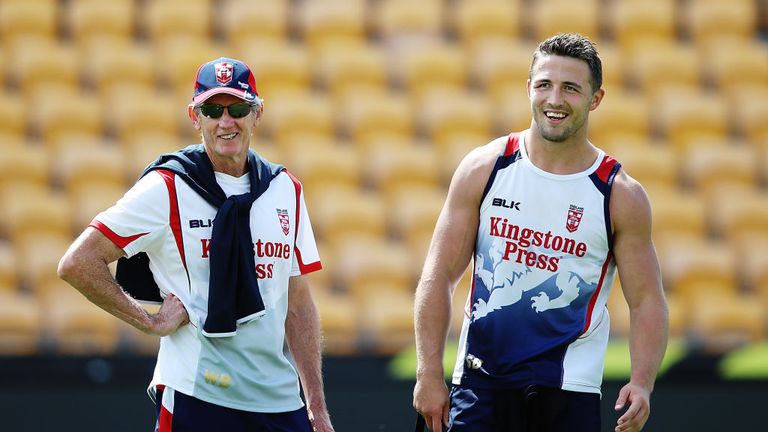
[
  {"x": 171, "y": 316},
  {"x": 430, "y": 399}
]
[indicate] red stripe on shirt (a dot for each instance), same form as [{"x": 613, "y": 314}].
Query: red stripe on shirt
[
  {"x": 605, "y": 168},
  {"x": 303, "y": 268},
  {"x": 174, "y": 218},
  {"x": 513, "y": 144},
  {"x": 117, "y": 239},
  {"x": 593, "y": 300}
]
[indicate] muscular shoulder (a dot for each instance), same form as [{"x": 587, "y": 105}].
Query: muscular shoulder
[
  {"x": 474, "y": 170},
  {"x": 630, "y": 207}
]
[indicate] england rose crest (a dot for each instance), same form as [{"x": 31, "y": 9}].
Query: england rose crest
[
  {"x": 224, "y": 72},
  {"x": 285, "y": 222},
  {"x": 574, "y": 217}
]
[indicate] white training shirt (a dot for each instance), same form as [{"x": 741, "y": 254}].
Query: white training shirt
[
  {"x": 162, "y": 216},
  {"x": 543, "y": 270}
]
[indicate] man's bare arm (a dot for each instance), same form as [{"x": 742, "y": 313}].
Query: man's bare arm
[{"x": 85, "y": 267}]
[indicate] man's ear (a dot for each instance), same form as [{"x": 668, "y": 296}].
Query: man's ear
[
  {"x": 194, "y": 116},
  {"x": 597, "y": 97}
]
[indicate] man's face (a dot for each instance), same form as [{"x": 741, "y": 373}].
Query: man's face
[
  {"x": 226, "y": 136},
  {"x": 561, "y": 96}
]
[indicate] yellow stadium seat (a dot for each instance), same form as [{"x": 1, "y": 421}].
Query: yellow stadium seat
[
  {"x": 321, "y": 21},
  {"x": 698, "y": 268},
  {"x": 344, "y": 214},
  {"x": 432, "y": 66},
  {"x": 612, "y": 58},
  {"x": 404, "y": 19},
  {"x": 298, "y": 113},
  {"x": 753, "y": 264},
  {"x": 13, "y": 111},
  {"x": 494, "y": 72},
  {"x": 632, "y": 21},
  {"x": 19, "y": 19},
  {"x": 20, "y": 324},
  {"x": 445, "y": 113},
  {"x": 678, "y": 215},
  {"x": 38, "y": 214},
  {"x": 136, "y": 110},
  {"x": 511, "y": 108},
  {"x": 720, "y": 169},
  {"x": 387, "y": 319},
  {"x": 39, "y": 63},
  {"x": 80, "y": 113},
  {"x": 84, "y": 167},
  {"x": 473, "y": 21},
  {"x": 686, "y": 115},
  {"x": 618, "y": 311},
  {"x": 392, "y": 172},
  {"x": 279, "y": 66},
  {"x": 340, "y": 320},
  {"x": 368, "y": 117},
  {"x": 242, "y": 20},
  {"x": 143, "y": 148},
  {"x": 340, "y": 65},
  {"x": 732, "y": 64},
  {"x": 90, "y": 199},
  {"x": 363, "y": 267},
  {"x": 112, "y": 63},
  {"x": 90, "y": 20},
  {"x": 335, "y": 166},
  {"x": 412, "y": 215},
  {"x": 721, "y": 322},
  {"x": 38, "y": 254},
  {"x": 9, "y": 279},
  {"x": 654, "y": 167},
  {"x": 550, "y": 17},
  {"x": 705, "y": 21},
  {"x": 748, "y": 112},
  {"x": 656, "y": 65},
  {"x": 164, "y": 20},
  {"x": 77, "y": 326},
  {"x": 621, "y": 114},
  {"x": 182, "y": 59},
  {"x": 739, "y": 215},
  {"x": 24, "y": 165}
]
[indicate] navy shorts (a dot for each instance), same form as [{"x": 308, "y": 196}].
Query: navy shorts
[
  {"x": 534, "y": 409},
  {"x": 189, "y": 414}
]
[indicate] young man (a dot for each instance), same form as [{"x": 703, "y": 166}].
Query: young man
[
  {"x": 222, "y": 238},
  {"x": 547, "y": 217}
]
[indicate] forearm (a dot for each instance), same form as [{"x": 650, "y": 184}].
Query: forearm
[
  {"x": 302, "y": 327},
  {"x": 432, "y": 318},
  {"x": 648, "y": 340},
  {"x": 94, "y": 280}
]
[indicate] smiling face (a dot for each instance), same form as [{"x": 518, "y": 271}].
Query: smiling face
[
  {"x": 561, "y": 97},
  {"x": 226, "y": 139}
]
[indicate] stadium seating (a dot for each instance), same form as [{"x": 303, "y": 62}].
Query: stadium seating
[
  {"x": 632, "y": 21},
  {"x": 242, "y": 21},
  {"x": 90, "y": 20},
  {"x": 474, "y": 21},
  {"x": 372, "y": 104}
]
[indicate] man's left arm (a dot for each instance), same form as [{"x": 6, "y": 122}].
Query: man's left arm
[
  {"x": 641, "y": 283},
  {"x": 302, "y": 330}
]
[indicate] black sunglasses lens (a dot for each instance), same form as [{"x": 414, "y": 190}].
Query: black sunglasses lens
[
  {"x": 239, "y": 110},
  {"x": 213, "y": 111}
]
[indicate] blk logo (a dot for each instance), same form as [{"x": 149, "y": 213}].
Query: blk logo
[
  {"x": 502, "y": 202},
  {"x": 200, "y": 223}
]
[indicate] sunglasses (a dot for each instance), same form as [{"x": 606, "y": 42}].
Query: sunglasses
[{"x": 236, "y": 110}]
